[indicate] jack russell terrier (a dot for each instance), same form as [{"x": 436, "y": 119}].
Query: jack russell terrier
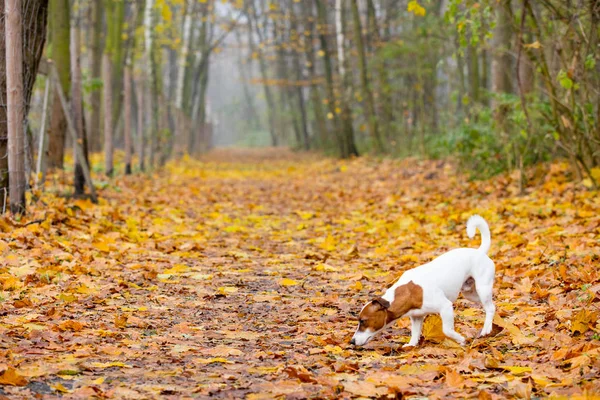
[{"x": 432, "y": 289}]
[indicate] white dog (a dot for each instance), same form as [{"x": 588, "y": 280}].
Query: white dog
[{"x": 432, "y": 289}]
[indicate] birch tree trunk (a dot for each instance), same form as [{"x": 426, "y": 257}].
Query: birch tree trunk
[
  {"x": 149, "y": 20},
  {"x": 349, "y": 147},
  {"x": 184, "y": 55},
  {"x": 15, "y": 106}
]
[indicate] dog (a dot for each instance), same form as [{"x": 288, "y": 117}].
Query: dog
[{"x": 432, "y": 289}]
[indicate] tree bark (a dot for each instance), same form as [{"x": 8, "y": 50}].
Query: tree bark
[
  {"x": 349, "y": 147},
  {"x": 94, "y": 129},
  {"x": 322, "y": 29},
  {"x": 369, "y": 101},
  {"x": 34, "y": 15},
  {"x": 251, "y": 13},
  {"x": 502, "y": 73},
  {"x": 77, "y": 98},
  {"x": 315, "y": 93},
  {"x": 140, "y": 124},
  {"x": 108, "y": 117},
  {"x": 15, "y": 106},
  {"x": 127, "y": 99},
  {"x": 60, "y": 39},
  {"x": 184, "y": 55}
]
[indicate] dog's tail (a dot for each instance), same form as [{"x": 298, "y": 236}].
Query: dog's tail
[{"x": 478, "y": 222}]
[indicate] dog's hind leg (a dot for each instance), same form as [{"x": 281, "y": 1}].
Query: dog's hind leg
[
  {"x": 485, "y": 295},
  {"x": 447, "y": 314}
]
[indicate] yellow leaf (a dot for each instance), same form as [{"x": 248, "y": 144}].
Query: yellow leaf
[
  {"x": 432, "y": 329},
  {"x": 329, "y": 243},
  {"x": 534, "y": 45},
  {"x": 177, "y": 269},
  {"x": 515, "y": 370},
  {"x": 356, "y": 286},
  {"x": 60, "y": 388},
  {"x": 99, "y": 381},
  {"x": 416, "y": 8},
  {"x": 582, "y": 321},
  {"x": 110, "y": 364},
  {"x": 221, "y": 360},
  {"x": 225, "y": 290},
  {"x": 288, "y": 282}
]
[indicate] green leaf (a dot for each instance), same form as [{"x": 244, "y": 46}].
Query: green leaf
[{"x": 564, "y": 80}]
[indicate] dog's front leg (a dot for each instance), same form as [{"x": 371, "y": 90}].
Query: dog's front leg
[
  {"x": 416, "y": 328},
  {"x": 447, "y": 314}
]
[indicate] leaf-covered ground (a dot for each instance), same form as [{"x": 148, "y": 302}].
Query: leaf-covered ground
[{"x": 240, "y": 276}]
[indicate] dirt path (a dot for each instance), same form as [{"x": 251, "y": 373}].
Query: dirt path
[{"x": 240, "y": 276}]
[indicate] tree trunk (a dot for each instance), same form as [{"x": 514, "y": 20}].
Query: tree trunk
[
  {"x": 349, "y": 147},
  {"x": 15, "y": 106},
  {"x": 251, "y": 13},
  {"x": 128, "y": 118},
  {"x": 77, "y": 98},
  {"x": 250, "y": 108},
  {"x": 299, "y": 87},
  {"x": 108, "y": 117},
  {"x": 95, "y": 67},
  {"x": 474, "y": 79},
  {"x": 140, "y": 124},
  {"x": 60, "y": 39},
  {"x": 386, "y": 101},
  {"x": 364, "y": 79},
  {"x": 33, "y": 14},
  {"x": 315, "y": 93},
  {"x": 322, "y": 29},
  {"x": 502, "y": 73},
  {"x": 184, "y": 55}
]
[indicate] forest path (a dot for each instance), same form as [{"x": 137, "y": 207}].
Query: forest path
[{"x": 239, "y": 276}]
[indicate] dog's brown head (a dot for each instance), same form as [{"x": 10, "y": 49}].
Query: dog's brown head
[
  {"x": 372, "y": 318},
  {"x": 379, "y": 312}
]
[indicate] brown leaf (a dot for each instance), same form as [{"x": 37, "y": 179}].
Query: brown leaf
[
  {"x": 120, "y": 320},
  {"x": 22, "y": 303},
  {"x": 454, "y": 379},
  {"x": 300, "y": 373},
  {"x": 12, "y": 377},
  {"x": 70, "y": 325}
]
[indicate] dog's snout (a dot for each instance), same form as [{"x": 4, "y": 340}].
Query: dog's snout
[{"x": 352, "y": 341}]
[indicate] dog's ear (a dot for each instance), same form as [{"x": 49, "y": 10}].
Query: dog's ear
[{"x": 383, "y": 303}]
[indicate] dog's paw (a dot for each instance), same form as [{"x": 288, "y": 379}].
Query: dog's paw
[
  {"x": 409, "y": 345},
  {"x": 462, "y": 341},
  {"x": 485, "y": 332}
]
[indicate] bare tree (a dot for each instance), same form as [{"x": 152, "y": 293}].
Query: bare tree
[
  {"x": 14, "y": 86},
  {"x": 77, "y": 96}
]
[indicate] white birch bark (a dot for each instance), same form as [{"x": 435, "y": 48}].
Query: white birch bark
[
  {"x": 340, "y": 37},
  {"x": 183, "y": 56}
]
